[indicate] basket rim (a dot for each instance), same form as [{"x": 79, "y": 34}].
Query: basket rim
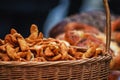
[{"x": 106, "y": 57}]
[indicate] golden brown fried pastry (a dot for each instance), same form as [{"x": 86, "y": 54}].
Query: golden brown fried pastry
[
  {"x": 33, "y": 33},
  {"x": 15, "y": 47},
  {"x": 90, "y": 52},
  {"x": 48, "y": 52},
  {"x": 11, "y": 52},
  {"x": 13, "y": 31},
  {"x": 4, "y": 57},
  {"x": 2, "y": 42},
  {"x": 23, "y": 44}
]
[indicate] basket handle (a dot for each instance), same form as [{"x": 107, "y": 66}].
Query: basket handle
[{"x": 108, "y": 25}]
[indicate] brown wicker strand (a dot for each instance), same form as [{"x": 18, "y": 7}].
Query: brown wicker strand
[{"x": 108, "y": 25}]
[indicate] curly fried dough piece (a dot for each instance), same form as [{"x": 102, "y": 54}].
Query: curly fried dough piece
[
  {"x": 64, "y": 51},
  {"x": 78, "y": 55},
  {"x": 23, "y": 44},
  {"x": 21, "y": 54},
  {"x": 8, "y": 39},
  {"x": 41, "y": 59},
  {"x": 41, "y": 52},
  {"x": 11, "y": 39},
  {"x": 48, "y": 52},
  {"x": 98, "y": 51},
  {"x": 71, "y": 57},
  {"x": 89, "y": 53},
  {"x": 4, "y": 57},
  {"x": 40, "y": 35},
  {"x": 27, "y": 55},
  {"x": 33, "y": 32},
  {"x": 13, "y": 31},
  {"x": 57, "y": 57},
  {"x": 2, "y": 42},
  {"x": 11, "y": 52},
  {"x": 3, "y": 47}
]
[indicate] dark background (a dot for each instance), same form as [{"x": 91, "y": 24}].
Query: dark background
[{"x": 20, "y": 14}]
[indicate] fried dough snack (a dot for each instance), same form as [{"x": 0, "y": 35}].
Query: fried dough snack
[
  {"x": 35, "y": 47},
  {"x": 11, "y": 52}
]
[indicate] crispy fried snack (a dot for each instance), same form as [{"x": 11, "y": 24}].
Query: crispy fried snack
[
  {"x": 89, "y": 53},
  {"x": 33, "y": 33},
  {"x": 57, "y": 57},
  {"x": 15, "y": 47},
  {"x": 13, "y": 31},
  {"x": 27, "y": 55},
  {"x": 2, "y": 42},
  {"x": 23, "y": 44},
  {"x": 48, "y": 52},
  {"x": 4, "y": 57},
  {"x": 64, "y": 51},
  {"x": 39, "y": 59},
  {"x": 11, "y": 52},
  {"x": 3, "y": 48}
]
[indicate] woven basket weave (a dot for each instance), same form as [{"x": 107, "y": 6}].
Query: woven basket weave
[
  {"x": 87, "y": 69},
  {"x": 96, "y": 68}
]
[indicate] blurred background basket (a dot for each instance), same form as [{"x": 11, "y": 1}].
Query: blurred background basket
[{"x": 93, "y": 18}]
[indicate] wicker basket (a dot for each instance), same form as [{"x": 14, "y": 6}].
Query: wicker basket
[
  {"x": 96, "y": 68},
  {"x": 87, "y": 69}
]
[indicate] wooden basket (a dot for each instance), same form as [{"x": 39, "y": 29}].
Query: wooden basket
[{"x": 96, "y": 68}]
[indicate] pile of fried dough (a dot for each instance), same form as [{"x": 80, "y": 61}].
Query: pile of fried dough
[{"x": 36, "y": 47}]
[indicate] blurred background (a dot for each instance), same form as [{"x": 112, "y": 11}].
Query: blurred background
[{"x": 20, "y": 14}]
